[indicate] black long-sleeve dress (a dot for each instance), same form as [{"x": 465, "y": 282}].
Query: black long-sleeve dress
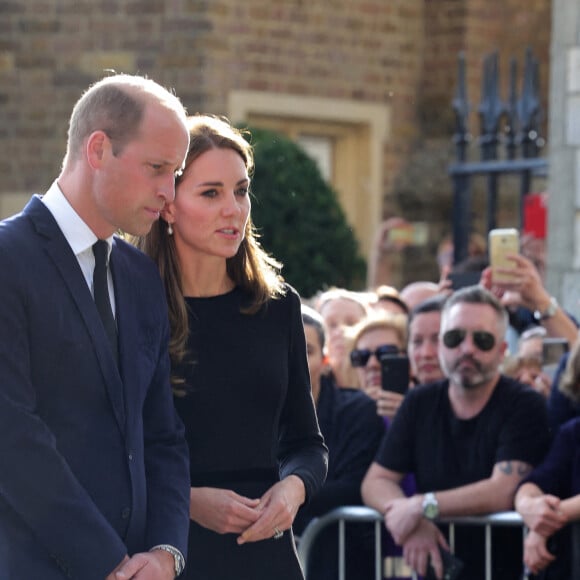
[{"x": 250, "y": 421}]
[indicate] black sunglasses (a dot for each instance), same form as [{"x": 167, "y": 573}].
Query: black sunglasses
[
  {"x": 483, "y": 340},
  {"x": 359, "y": 357}
]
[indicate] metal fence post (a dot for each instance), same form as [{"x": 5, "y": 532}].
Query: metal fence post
[{"x": 522, "y": 131}]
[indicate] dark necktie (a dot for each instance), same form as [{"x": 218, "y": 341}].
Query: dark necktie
[{"x": 101, "y": 292}]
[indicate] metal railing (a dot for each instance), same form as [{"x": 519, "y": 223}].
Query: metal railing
[
  {"x": 361, "y": 514},
  {"x": 342, "y": 515}
]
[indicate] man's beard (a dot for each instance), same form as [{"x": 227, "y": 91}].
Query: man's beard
[{"x": 470, "y": 378}]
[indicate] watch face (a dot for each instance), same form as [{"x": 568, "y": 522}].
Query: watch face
[
  {"x": 431, "y": 510},
  {"x": 430, "y": 506}
]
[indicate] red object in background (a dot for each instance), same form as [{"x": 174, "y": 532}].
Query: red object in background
[{"x": 535, "y": 215}]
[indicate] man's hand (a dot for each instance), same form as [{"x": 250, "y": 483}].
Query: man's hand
[
  {"x": 536, "y": 554},
  {"x": 422, "y": 546},
  {"x": 542, "y": 514},
  {"x": 222, "y": 510},
  {"x": 528, "y": 283},
  {"x": 112, "y": 576},
  {"x": 402, "y": 517},
  {"x": 278, "y": 507},
  {"x": 156, "y": 565}
]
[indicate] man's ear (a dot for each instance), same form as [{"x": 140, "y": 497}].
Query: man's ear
[
  {"x": 97, "y": 144},
  {"x": 504, "y": 348}
]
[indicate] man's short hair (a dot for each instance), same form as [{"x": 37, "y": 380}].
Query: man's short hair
[
  {"x": 476, "y": 295},
  {"x": 116, "y": 105}
]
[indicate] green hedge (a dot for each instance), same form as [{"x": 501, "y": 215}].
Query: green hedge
[{"x": 299, "y": 218}]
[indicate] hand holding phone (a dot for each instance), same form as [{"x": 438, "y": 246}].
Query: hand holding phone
[
  {"x": 395, "y": 373},
  {"x": 502, "y": 242},
  {"x": 410, "y": 234}
]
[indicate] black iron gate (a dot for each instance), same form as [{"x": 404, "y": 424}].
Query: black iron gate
[{"x": 509, "y": 143}]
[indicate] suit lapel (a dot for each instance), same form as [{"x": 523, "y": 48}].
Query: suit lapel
[{"x": 61, "y": 254}]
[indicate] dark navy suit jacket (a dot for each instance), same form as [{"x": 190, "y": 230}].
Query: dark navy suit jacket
[{"x": 93, "y": 463}]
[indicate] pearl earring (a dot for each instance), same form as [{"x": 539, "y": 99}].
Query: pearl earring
[{"x": 169, "y": 229}]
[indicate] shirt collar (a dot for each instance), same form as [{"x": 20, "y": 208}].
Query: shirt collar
[{"x": 77, "y": 233}]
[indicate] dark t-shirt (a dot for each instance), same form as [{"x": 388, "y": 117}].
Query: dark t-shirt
[{"x": 444, "y": 452}]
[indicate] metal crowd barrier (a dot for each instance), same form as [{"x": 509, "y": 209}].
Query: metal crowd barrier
[
  {"x": 342, "y": 515},
  {"x": 364, "y": 514}
]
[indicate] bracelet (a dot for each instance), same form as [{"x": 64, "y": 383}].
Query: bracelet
[{"x": 178, "y": 558}]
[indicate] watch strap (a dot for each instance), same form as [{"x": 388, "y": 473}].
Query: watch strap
[
  {"x": 430, "y": 506},
  {"x": 550, "y": 310},
  {"x": 178, "y": 558}
]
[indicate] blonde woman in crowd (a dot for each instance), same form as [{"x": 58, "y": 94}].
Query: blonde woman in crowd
[
  {"x": 372, "y": 338},
  {"x": 340, "y": 309}
]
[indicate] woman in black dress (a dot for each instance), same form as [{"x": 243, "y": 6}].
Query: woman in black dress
[{"x": 240, "y": 371}]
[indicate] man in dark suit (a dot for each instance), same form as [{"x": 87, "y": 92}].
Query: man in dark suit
[{"x": 94, "y": 477}]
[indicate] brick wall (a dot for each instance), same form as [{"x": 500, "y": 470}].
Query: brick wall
[{"x": 401, "y": 52}]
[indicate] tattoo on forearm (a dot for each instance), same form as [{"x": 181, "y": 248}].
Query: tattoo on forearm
[
  {"x": 506, "y": 467},
  {"x": 522, "y": 469}
]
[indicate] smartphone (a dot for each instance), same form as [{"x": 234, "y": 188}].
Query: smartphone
[
  {"x": 463, "y": 279},
  {"x": 410, "y": 234},
  {"x": 395, "y": 373},
  {"x": 452, "y": 566},
  {"x": 553, "y": 349},
  {"x": 502, "y": 242}
]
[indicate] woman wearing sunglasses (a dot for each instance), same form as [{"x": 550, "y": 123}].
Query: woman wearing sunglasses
[
  {"x": 372, "y": 339},
  {"x": 239, "y": 366},
  {"x": 352, "y": 431}
]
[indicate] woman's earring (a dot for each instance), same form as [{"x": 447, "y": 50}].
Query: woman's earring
[{"x": 169, "y": 229}]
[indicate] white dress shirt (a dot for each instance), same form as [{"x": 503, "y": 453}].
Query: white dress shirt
[{"x": 79, "y": 236}]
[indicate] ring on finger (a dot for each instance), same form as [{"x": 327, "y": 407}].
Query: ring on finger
[{"x": 278, "y": 533}]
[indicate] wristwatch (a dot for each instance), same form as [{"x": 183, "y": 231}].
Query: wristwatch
[
  {"x": 430, "y": 506},
  {"x": 548, "y": 312},
  {"x": 178, "y": 558}
]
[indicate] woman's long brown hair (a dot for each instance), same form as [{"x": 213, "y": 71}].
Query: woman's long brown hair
[{"x": 252, "y": 269}]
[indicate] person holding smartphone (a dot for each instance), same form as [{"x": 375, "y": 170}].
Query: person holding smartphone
[
  {"x": 352, "y": 431},
  {"x": 373, "y": 338},
  {"x": 520, "y": 285}
]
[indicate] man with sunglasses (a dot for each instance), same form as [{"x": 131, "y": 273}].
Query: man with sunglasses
[{"x": 469, "y": 440}]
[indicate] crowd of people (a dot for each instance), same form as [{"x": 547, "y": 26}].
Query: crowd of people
[
  {"x": 474, "y": 420},
  {"x": 170, "y": 406}
]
